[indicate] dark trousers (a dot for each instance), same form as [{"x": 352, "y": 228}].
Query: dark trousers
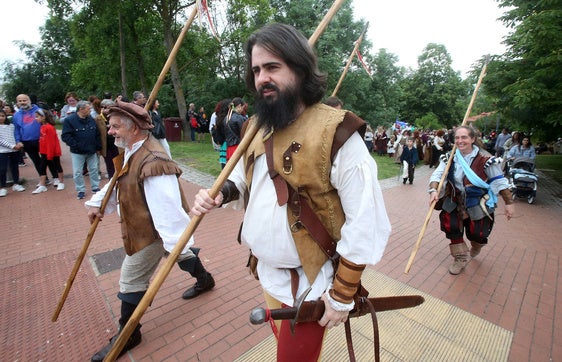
[
  {"x": 54, "y": 166},
  {"x": 435, "y": 153},
  {"x": 11, "y": 160},
  {"x": 110, "y": 153},
  {"x": 411, "y": 170},
  {"x": 476, "y": 230},
  {"x": 32, "y": 150}
]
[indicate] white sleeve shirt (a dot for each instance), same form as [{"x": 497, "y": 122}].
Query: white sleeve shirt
[{"x": 266, "y": 230}]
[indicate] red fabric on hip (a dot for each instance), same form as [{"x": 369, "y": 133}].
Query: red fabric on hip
[{"x": 303, "y": 346}]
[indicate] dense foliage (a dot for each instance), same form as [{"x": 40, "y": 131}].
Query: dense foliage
[
  {"x": 526, "y": 82},
  {"x": 96, "y": 46}
]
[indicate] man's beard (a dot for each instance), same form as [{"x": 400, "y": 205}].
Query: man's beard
[
  {"x": 122, "y": 142},
  {"x": 276, "y": 113}
]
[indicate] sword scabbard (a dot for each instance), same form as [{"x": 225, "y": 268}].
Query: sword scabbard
[{"x": 312, "y": 311}]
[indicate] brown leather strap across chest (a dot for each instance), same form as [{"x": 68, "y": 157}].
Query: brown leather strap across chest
[{"x": 298, "y": 205}]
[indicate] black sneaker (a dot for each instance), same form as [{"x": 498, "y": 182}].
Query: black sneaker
[{"x": 81, "y": 195}]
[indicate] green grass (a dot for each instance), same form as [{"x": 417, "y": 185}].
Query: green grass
[
  {"x": 200, "y": 156},
  {"x": 551, "y": 165},
  {"x": 204, "y": 158}
]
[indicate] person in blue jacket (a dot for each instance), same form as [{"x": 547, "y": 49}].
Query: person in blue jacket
[
  {"x": 80, "y": 132},
  {"x": 409, "y": 159}
]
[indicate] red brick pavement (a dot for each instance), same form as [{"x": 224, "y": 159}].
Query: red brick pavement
[{"x": 514, "y": 283}]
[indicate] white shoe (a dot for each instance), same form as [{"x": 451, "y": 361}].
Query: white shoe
[
  {"x": 56, "y": 182},
  {"x": 60, "y": 187},
  {"x": 3, "y": 192},
  {"x": 47, "y": 183},
  {"x": 40, "y": 189},
  {"x": 18, "y": 188}
]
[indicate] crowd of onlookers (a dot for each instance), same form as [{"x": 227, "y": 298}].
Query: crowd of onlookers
[
  {"x": 391, "y": 141},
  {"x": 431, "y": 144},
  {"x": 27, "y": 132}
]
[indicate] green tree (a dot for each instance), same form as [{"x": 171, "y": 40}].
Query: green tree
[
  {"x": 386, "y": 95},
  {"x": 47, "y": 73},
  {"x": 526, "y": 81},
  {"x": 435, "y": 88}
]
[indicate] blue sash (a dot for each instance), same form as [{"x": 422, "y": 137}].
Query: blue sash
[{"x": 475, "y": 180}]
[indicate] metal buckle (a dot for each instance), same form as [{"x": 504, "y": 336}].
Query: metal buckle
[{"x": 296, "y": 226}]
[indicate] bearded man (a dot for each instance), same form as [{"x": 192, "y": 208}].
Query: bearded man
[
  {"x": 27, "y": 130},
  {"x": 306, "y": 156},
  {"x": 153, "y": 214}
]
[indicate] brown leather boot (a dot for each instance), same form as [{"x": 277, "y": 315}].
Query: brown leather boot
[
  {"x": 475, "y": 248},
  {"x": 460, "y": 253}
]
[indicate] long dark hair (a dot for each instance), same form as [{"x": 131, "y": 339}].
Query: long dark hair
[
  {"x": 7, "y": 121},
  {"x": 285, "y": 42},
  {"x": 47, "y": 114},
  {"x": 221, "y": 110}
]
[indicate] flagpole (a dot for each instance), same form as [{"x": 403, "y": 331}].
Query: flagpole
[{"x": 357, "y": 43}]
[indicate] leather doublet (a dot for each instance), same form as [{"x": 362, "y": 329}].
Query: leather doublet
[
  {"x": 137, "y": 226},
  {"x": 302, "y": 155}
]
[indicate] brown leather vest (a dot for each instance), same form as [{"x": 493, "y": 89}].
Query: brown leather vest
[
  {"x": 477, "y": 166},
  {"x": 137, "y": 227},
  {"x": 311, "y": 143}
]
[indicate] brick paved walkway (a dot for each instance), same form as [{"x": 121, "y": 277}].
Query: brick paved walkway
[{"x": 515, "y": 283}]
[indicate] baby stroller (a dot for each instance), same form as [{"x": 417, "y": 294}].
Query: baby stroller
[{"x": 523, "y": 179}]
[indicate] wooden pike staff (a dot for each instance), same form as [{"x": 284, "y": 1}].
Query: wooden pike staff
[
  {"x": 344, "y": 73},
  {"x": 447, "y": 167},
  {"x": 170, "y": 60},
  {"x": 94, "y": 225},
  {"x": 147, "y": 299}
]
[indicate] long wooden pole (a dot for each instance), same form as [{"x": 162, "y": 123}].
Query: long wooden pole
[
  {"x": 163, "y": 272},
  {"x": 94, "y": 224},
  {"x": 447, "y": 167},
  {"x": 349, "y": 60},
  {"x": 171, "y": 59},
  {"x": 82, "y": 254},
  {"x": 325, "y": 21}
]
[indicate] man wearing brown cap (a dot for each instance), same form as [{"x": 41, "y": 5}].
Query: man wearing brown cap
[{"x": 153, "y": 213}]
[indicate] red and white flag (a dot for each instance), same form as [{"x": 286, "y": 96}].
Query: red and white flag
[
  {"x": 202, "y": 9},
  {"x": 365, "y": 66}
]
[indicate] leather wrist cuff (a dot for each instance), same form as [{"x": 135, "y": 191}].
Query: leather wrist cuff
[
  {"x": 507, "y": 196},
  {"x": 346, "y": 281},
  {"x": 229, "y": 192}
]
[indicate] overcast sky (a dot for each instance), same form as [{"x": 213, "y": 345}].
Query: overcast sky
[{"x": 468, "y": 28}]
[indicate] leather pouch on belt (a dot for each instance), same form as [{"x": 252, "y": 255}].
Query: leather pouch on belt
[{"x": 448, "y": 204}]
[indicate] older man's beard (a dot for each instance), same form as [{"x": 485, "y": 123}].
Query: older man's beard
[
  {"x": 276, "y": 113},
  {"x": 122, "y": 142}
]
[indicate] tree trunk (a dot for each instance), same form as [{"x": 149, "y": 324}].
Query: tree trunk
[
  {"x": 176, "y": 82},
  {"x": 122, "y": 55},
  {"x": 140, "y": 61}
]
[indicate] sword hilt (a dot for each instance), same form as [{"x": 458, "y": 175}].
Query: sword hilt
[{"x": 259, "y": 316}]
